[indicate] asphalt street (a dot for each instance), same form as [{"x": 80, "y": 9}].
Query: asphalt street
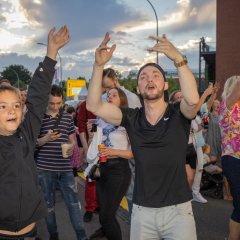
[{"x": 211, "y": 219}]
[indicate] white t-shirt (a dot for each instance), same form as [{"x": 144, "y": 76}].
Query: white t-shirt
[{"x": 118, "y": 138}]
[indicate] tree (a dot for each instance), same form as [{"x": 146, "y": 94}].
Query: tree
[
  {"x": 129, "y": 82},
  {"x": 172, "y": 84},
  {"x": 119, "y": 75},
  {"x": 15, "y": 72}
]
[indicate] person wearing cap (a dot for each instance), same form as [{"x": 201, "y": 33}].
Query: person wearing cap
[{"x": 162, "y": 198}]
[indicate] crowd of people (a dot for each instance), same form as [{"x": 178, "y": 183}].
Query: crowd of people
[{"x": 126, "y": 145}]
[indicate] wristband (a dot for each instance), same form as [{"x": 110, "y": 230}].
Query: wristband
[{"x": 182, "y": 63}]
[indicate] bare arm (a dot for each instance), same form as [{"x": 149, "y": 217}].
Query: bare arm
[
  {"x": 84, "y": 142},
  {"x": 209, "y": 91},
  {"x": 186, "y": 79},
  {"x": 71, "y": 138},
  {"x": 213, "y": 96},
  {"x": 106, "y": 111},
  {"x": 232, "y": 98}
]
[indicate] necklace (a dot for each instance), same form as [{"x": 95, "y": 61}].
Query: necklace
[{"x": 159, "y": 117}]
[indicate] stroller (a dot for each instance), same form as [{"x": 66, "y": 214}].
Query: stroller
[{"x": 212, "y": 185}]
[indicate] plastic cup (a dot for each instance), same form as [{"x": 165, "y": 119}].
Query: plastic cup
[{"x": 65, "y": 147}]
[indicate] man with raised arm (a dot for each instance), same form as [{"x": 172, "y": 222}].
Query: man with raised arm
[{"x": 158, "y": 133}]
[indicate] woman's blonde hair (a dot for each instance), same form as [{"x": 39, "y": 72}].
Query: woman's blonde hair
[
  {"x": 229, "y": 85},
  {"x": 172, "y": 95}
]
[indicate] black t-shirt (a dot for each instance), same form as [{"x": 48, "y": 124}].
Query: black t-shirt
[{"x": 160, "y": 154}]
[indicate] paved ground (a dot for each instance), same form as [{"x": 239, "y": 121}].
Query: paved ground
[{"x": 211, "y": 219}]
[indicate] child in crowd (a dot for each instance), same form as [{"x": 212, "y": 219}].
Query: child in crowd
[
  {"x": 209, "y": 166},
  {"x": 22, "y": 202}
]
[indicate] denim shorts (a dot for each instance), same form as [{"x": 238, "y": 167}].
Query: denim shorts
[{"x": 231, "y": 169}]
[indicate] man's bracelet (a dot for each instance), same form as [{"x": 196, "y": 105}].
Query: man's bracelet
[{"x": 182, "y": 63}]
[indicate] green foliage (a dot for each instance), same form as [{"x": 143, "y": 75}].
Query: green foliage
[
  {"x": 172, "y": 85},
  {"x": 64, "y": 88},
  {"x": 130, "y": 83},
  {"x": 15, "y": 72}
]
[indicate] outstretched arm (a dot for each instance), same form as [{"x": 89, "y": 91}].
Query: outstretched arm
[
  {"x": 186, "y": 79},
  {"x": 40, "y": 85},
  {"x": 209, "y": 91},
  {"x": 108, "y": 112}
]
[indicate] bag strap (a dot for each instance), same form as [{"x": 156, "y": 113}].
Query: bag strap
[
  {"x": 193, "y": 136},
  {"x": 58, "y": 119}
]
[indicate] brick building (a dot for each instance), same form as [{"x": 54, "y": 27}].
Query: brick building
[{"x": 228, "y": 40}]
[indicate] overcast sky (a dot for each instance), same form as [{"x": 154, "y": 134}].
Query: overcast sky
[{"x": 23, "y": 23}]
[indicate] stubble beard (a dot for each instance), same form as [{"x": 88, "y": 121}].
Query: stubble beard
[{"x": 156, "y": 96}]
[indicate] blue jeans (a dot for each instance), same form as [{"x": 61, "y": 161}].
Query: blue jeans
[{"x": 65, "y": 180}]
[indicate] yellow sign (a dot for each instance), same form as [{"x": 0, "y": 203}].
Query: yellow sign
[{"x": 74, "y": 86}]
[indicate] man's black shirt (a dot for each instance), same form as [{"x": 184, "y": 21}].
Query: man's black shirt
[{"x": 159, "y": 152}]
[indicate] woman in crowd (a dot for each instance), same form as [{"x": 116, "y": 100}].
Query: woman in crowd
[
  {"x": 213, "y": 135},
  {"x": 229, "y": 121},
  {"x": 115, "y": 172},
  {"x": 213, "y": 138}
]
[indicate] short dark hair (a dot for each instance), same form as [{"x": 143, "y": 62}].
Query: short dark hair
[
  {"x": 153, "y": 65},
  {"x": 70, "y": 109},
  {"x": 109, "y": 72},
  {"x": 56, "y": 91}
]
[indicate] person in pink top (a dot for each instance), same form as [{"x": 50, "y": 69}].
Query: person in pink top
[{"x": 229, "y": 122}]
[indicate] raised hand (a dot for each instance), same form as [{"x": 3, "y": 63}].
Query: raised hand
[
  {"x": 104, "y": 53},
  {"x": 56, "y": 40},
  {"x": 166, "y": 47},
  {"x": 209, "y": 90}
]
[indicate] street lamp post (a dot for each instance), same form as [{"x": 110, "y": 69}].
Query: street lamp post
[
  {"x": 15, "y": 72},
  {"x": 60, "y": 61},
  {"x": 156, "y": 22}
]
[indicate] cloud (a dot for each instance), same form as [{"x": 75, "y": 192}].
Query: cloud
[
  {"x": 185, "y": 17},
  {"x": 87, "y": 20},
  {"x": 190, "y": 15}
]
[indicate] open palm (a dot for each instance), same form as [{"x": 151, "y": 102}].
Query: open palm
[
  {"x": 56, "y": 40},
  {"x": 104, "y": 53}
]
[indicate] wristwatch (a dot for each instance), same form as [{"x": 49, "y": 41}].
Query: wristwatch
[{"x": 182, "y": 63}]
